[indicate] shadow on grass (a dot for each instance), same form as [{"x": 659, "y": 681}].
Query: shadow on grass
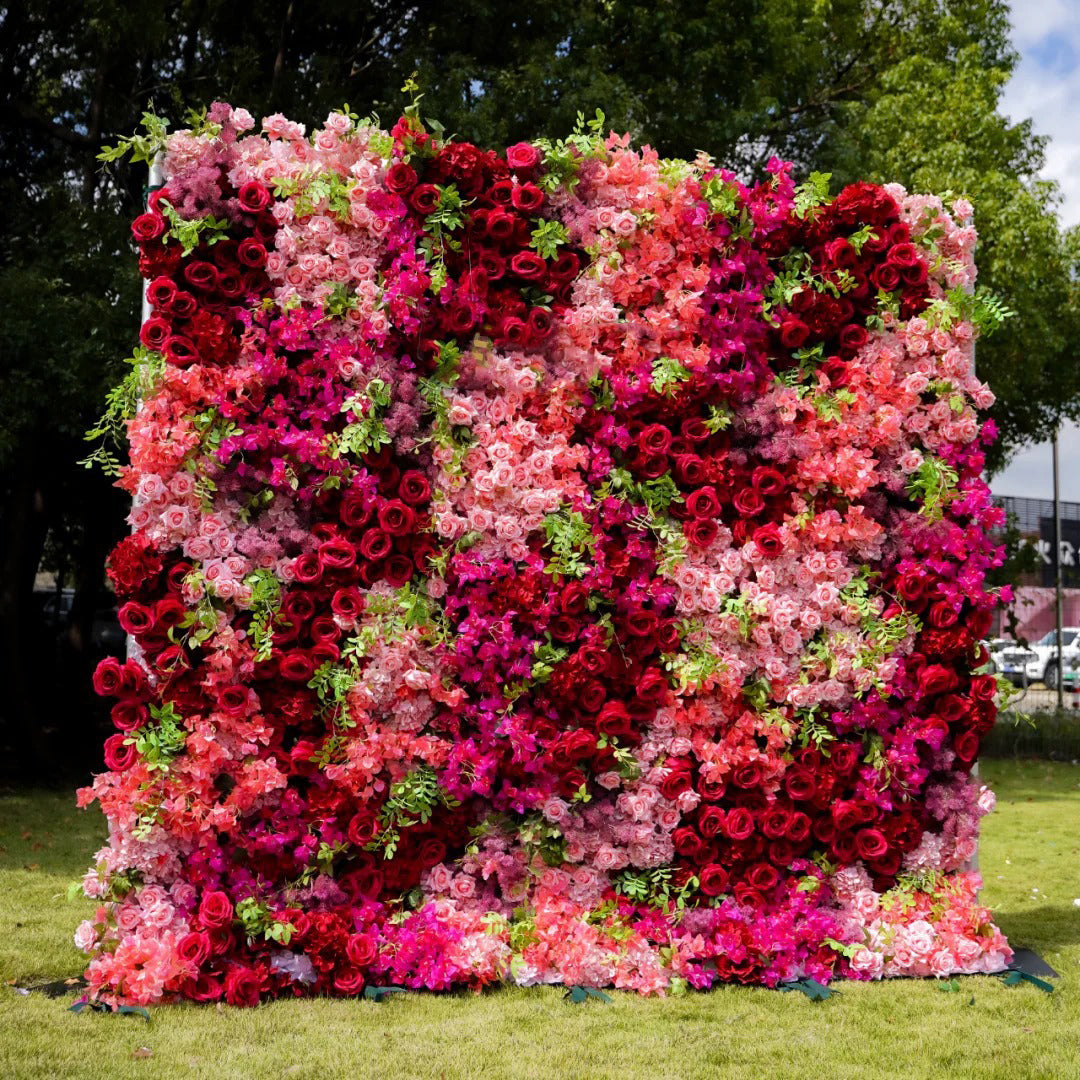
[{"x": 1049, "y": 927}]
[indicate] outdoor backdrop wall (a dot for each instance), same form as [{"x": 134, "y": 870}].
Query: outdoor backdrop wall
[{"x": 559, "y": 565}]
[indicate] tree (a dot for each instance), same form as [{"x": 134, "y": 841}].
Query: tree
[{"x": 885, "y": 89}]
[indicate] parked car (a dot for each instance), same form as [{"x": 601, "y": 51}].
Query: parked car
[
  {"x": 1039, "y": 662},
  {"x": 996, "y": 648}
]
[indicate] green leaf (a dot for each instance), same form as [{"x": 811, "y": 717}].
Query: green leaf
[
  {"x": 379, "y": 994},
  {"x": 814, "y": 990}
]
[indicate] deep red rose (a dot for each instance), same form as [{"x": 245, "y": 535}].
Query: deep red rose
[
  {"x": 748, "y": 502},
  {"x": 424, "y": 199},
  {"x": 703, "y": 503},
  {"x": 108, "y": 677},
  {"x": 362, "y": 950},
  {"x": 653, "y": 687},
  {"x": 903, "y": 255},
  {"x": 251, "y": 253},
  {"x": 739, "y": 824},
  {"x": 400, "y": 178},
  {"x": 413, "y": 488},
  {"x": 135, "y": 618},
  {"x": 966, "y": 745},
  {"x": 119, "y": 753},
  {"x": 714, "y": 879},
  {"x": 128, "y": 715},
  {"x": 793, "y": 333},
  {"x": 871, "y": 843},
  {"x": 296, "y": 666},
  {"x": 687, "y": 842},
  {"x": 396, "y": 518},
  {"x": 147, "y": 227},
  {"x": 936, "y": 679},
  {"x": 942, "y": 615},
  {"x": 675, "y": 783},
  {"x": 362, "y": 828},
  {"x": 711, "y": 821},
  {"x": 762, "y": 876},
  {"x": 528, "y": 265},
  {"x": 853, "y": 337},
  {"x": 243, "y": 985},
  {"x": 710, "y": 789},
  {"x": 375, "y": 544},
  {"x": 527, "y": 198},
  {"x": 194, "y": 948},
  {"x": 886, "y": 277},
  {"x": 215, "y": 910},
  {"x": 768, "y": 540},
  {"x": 701, "y": 532},
  {"x": 348, "y": 981},
  {"x": 983, "y": 687},
  {"x": 253, "y": 197}
]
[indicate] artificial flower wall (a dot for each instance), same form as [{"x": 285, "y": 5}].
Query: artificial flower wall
[{"x": 555, "y": 564}]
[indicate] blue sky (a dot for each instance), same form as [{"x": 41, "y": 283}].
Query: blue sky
[{"x": 1046, "y": 87}]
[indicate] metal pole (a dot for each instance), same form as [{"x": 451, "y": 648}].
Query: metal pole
[{"x": 1057, "y": 575}]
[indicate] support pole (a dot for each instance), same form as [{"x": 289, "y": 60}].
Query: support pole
[{"x": 1057, "y": 576}]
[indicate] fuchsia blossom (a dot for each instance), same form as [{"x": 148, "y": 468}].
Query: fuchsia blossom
[{"x": 544, "y": 592}]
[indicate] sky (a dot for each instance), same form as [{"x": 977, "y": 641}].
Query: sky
[{"x": 1046, "y": 87}]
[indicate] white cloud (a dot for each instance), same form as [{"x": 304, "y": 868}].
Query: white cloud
[{"x": 1046, "y": 87}]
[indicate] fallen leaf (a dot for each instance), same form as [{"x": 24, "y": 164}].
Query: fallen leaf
[{"x": 142, "y": 1052}]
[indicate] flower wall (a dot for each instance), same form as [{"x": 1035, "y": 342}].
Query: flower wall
[{"x": 558, "y": 565}]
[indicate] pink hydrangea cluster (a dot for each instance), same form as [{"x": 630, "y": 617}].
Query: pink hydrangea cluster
[{"x": 563, "y": 565}]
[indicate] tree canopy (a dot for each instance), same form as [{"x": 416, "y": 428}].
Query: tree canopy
[{"x": 904, "y": 90}]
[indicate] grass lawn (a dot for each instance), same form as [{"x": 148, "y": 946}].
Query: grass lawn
[{"x": 1030, "y": 858}]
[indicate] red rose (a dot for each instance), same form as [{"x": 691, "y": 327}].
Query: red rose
[
  {"x": 703, "y": 503},
  {"x": 396, "y": 518},
  {"x": 886, "y": 277},
  {"x": 128, "y": 715},
  {"x": 853, "y": 337},
  {"x": 522, "y": 157},
  {"x": 296, "y": 666},
  {"x": 675, "y": 783},
  {"x": 253, "y": 197},
  {"x": 983, "y": 687},
  {"x": 687, "y": 842},
  {"x": 527, "y": 198},
  {"x": 528, "y": 265},
  {"x": 375, "y": 544},
  {"x": 398, "y": 570},
  {"x": 400, "y": 178},
  {"x": 714, "y": 879},
  {"x": 653, "y": 687},
  {"x": 250, "y": 253},
  {"x": 135, "y": 618},
  {"x": 936, "y": 679},
  {"x": 701, "y": 532},
  {"x": 966, "y": 745},
  {"x": 501, "y": 225},
  {"x": 362, "y": 950},
  {"x": 108, "y": 677},
  {"x": 348, "y": 981},
  {"x": 243, "y": 985},
  {"x": 424, "y": 199},
  {"x": 762, "y": 876},
  {"x": 120, "y": 754},
  {"x": 739, "y": 824},
  {"x": 748, "y": 502},
  {"x": 194, "y": 948},
  {"x": 903, "y": 255},
  {"x": 147, "y": 227},
  {"x": 614, "y": 719},
  {"x": 215, "y": 910},
  {"x": 793, "y": 333},
  {"x": 711, "y": 821},
  {"x": 871, "y": 843},
  {"x": 768, "y": 541},
  {"x": 413, "y": 488},
  {"x": 180, "y": 351},
  {"x": 362, "y": 828}
]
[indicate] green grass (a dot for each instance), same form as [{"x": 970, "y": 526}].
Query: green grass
[{"x": 1029, "y": 859}]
